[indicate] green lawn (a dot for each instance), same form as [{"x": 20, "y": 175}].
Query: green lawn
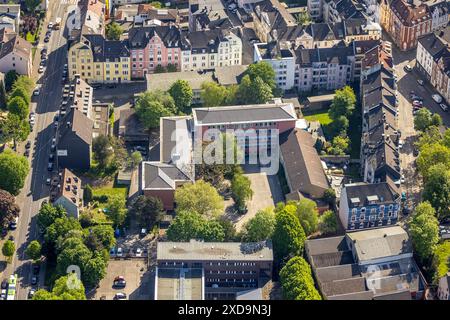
[
  {"x": 118, "y": 190},
  {"x": 322, "y": 117},
  {"x": 30, "y": 37}
]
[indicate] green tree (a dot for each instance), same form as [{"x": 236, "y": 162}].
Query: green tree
[
  {"x": 241, "y": 189},
  {"x": 103, "y": 151},
  {"x": 289, "y": 236},
  {"x": 24, "y": 82},
  {"x": 441, "y": 260},
  {"x": 116, "y": 210},
  {"x": 343, "y": 103},
  {"x": 156, "y": 4},
  {"x": 8, "y": 249},
  {"x": 308, "y": 215},
  {"x": 212, "y": 94},
  {"x": 100, "y": 235},
  {"x": 328, "y": 222},
  {"x": 135, "y": 159},
  {"x": 88, "y": 194},
  {"x": 437, "y": 190},
  {"x": 297, "y": 282},
  {"x": 13, "y": 171},
  {"x": 436, "y": 120},
  {"x": 200, "y": 197},
  {"x": 263, "y": 70},
  {"x": 14, "y": 128},
  {"x": 18, "y": 106},
  {"x": 78, "y": 256},
  {"x": 329, "y": 196},
  {"x": 422, "y": 119},
  {"x": 260, "y": 227},
  {"x": 151, "y": 106},
  {"x": 303, "y": 18},
  {"x": 59, "y": 229},
  {"x": 446, "y": 138},
  {"x": 431, "y": 155},
  {"x": 424, "y": 230},
  {"x": 254, "y": 91},
  {"x": 147, "y": 210},
  {"x": 186, "y": 226},
  {"x": 228, "y": 228},
  {"x": 94, "y": 270},
  {"x": 32, "y": 5},
  {"x": 34, "y": 250},
  {"x": 212, "y": 231},
  {"x": 8, "y": 208},
  {"x": 339, "y": 126},
  {"x": 159, "y": 69},
  {"x": 48, "y": 214},
  {"x": 68, "y": 287},
  {"x": 2, "y": 95},
  {"x": 10, "y": 77},
  {"x": 113, "y": 31},
  {"x": 182, "y": 94},
  {"x": 21, "y": 92},
  {"x": 339, "y": 146},
  {"x": 430, "y": 136}
]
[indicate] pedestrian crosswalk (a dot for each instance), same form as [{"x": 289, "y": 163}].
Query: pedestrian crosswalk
[{"x": 68, "y": 1}]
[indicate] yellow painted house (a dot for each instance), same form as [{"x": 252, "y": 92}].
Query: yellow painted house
[{"x": 98, "y": 60}]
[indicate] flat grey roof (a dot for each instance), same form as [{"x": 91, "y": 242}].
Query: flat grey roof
[
  {"x": 213, "y": 251},
  {"x": 179, "y": 284},
  {"x": 244, "y": 114}
]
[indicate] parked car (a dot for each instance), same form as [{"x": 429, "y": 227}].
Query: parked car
[
  {"x": 444, "y": 107},
  {"x": 50, "y": 166},
  {"x": 36, "y": 91},
  {"x": 406, "y": 210},
  {"x": 13, "y": 224},
  {"x": 420, "y": 82},
  {"x": 415, "y": 152},
  {"x": 417, "y": 103},
  {"x": 3, "y": 294},
  {"x": 27, "y": 153},
  {"x": 31, "y": 293},
  {"x": 50, "y": 25},
  {"x": 408, "y": 68},
  {"x": 138, "y": 252},
  {"x": 28, "y": 145},
  {"x": 119, "y": 282},
  {"x": 51, "y": 157},
  {"x": 437, "y": 98},
  {"x": 34, "y": 280},
  {"x": 46, "y": 39},
  {"x": 119, "y": 252},
  {"x": 4, "y": 284},
  {"x": 120, "y": 296}
]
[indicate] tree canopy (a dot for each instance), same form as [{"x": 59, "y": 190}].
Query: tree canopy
[
  {"x": 328, "y": 222},
  {"x": 182, "y": 95},
  {"x": 212, "y": 94},
  {"x": 152, "y": 105},
  {"x": 8, "y": 208},
  {"x": 260, "y": 227},
  {"x": 200, "y": 197},
  {"x": 33, "y": 250},
  {"x": 297, "y": 282},
  {"x": 241, "y": 189},
  {"x": 343, "y": 103},
  {"x": 48, "y": 214},
  {"x": 67, "y": 287},
  {"x": 263, "y": 70},
  {"x": 191, "y": 225},
  {"x": 147, "y": 210},
  {"x": 308, "y": 215},
  {"x": 437, "y": 190},
  {"x": 113, "y": 31},
  {"x": 13, "y": 171},
  {"x": 18, "y": 106}
]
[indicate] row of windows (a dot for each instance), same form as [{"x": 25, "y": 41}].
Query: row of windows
[
  {"x": 231, "y": 272},
  {"x": 372, "y": 217},
  {"x": 372, "y": 210}
]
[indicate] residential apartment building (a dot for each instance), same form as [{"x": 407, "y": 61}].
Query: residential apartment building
[
  {"x": 88, "y": 17},
  {"x": 220, "y": 270},
  {"x": 433, "y": 60},
  {"x": 68, "y": 193},
  {"x": 324, "y": 68},
  {"x": 440, "y": 11},
  {"x": 443, "y": 291},
  {"x": 341, "y": 10},
  {"x": 407, "y": 22},
  {"x": 152, "y": 47},
  {"x": 15, "y": 53},
  {"x": 209, "y": 49},
  {"x": 375, "y": 264},
  {"x": 96, "y": 59},
  {"x": 281, "y": 59},
  {"x": 368, "y": 205}
]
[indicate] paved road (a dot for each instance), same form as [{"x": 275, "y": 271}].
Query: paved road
[{"x": 35, "y": 189}]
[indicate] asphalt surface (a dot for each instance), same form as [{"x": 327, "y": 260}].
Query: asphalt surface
[{"x": 35, "y": 189}]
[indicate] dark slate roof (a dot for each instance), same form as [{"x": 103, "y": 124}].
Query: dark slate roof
[
  {"x": 106, "y": 49},
  {"x": 161, "y": 176},
  {"x": 140, "y": 36},
  {"x": 348, "y": 9},
  {"x": 336, "y": 55},
  {"x": 247, "y": 113},
  {"x": 381, "y": 79},
  {"x": 433, "y": 45},
  {"x": 363, "y": 190},
  {"x": 76, "y": 122}
]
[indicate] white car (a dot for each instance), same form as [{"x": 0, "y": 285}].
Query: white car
[
  {"x": 119, "y": 252},
  {"x": 41, "y": 69},
  {"x": 138, "y": 252},
  {"x": 36, "y": 91},
  {"x": 437, "y": 98},
  {"x": 408, "y": 68},
  {"x": 50, "y": 25}
]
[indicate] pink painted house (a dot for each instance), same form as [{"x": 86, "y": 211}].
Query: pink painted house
[{"x": 154, "y": 46}]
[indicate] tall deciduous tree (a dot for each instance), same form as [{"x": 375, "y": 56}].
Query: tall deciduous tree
[
  {"x": 14, "y": 128},
  {"x": 10, "y": 77},
  {"x": 264, "y": 71},
  {"x": 8, "y": 208},
  {"x": 422, "y": 119},
  {"x": 200, "y": 197},
  {"x": 147, "y": 210},
  {"x": 68, "y": 287},
  {"x": 21, "y": 92},
  {"x": 437, "y": 190},
  {"x": 33, "y": 250},
  {"x": 103, "y": 150},
  {"x": 431, "y": 155},
  {"x": 343, "y": 103},
  {"x": 308, "y": 215},
  {"x": 116, "y": 210},
  {"x": 424, "y": 231},
  {"x": 182, "y": 94},
  {"x": 18, "y": 106},
  {"x": 113, "y": 31},
  {"x": 212, "y": 94},
  {"x": 260, "y": 227},
  {"x": 241, "y": 189},
  {"x": 289, "y": 236},
  {"x": 13, "y": 171},
  {"x": 48, "y": 214},
  {"x": 297, "y": 282},
  {"x": 191, "y": 225},
  {"x": 151, "y": 106},
  {"x": 328, "y": 222},
  {"x": 8, "y": 249}
]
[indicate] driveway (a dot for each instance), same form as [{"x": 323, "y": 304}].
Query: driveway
[
  {"x": 266, "y": 193},
  {"x": 140, "y": 280}
]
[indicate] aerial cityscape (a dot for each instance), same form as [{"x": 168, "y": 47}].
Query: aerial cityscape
[{"x": 225, "y": 150}]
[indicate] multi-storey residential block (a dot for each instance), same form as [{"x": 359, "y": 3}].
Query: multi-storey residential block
[
  {"x": 153, "y": 47},
  {"x": 440, "y": 11},
  {"x": 368, "y": 205},
  {"x": 96, "y": 59},
  {"x": 282, "y": 61},
  {"x": 10, "y": 16},
  {"x": 323, "y": 68},
  {"x": 217, "y": 270},
  {"x": 366, "y": 265},
  {"x": 433, "y": 60},
  {"x": 15, "y": 53},
  {"x": 408, "y": 21},
  {"x": 209, "y": 49},
  {"x": 341, "y": 10},
  {"x": 88, "y": 17},
  {"x": 315, "y": 9}
]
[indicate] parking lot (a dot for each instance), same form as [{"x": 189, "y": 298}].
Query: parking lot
[{"x": 139, "y": 280}]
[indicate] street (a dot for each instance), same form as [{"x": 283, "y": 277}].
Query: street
[{"x": 35, "y": 190}]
